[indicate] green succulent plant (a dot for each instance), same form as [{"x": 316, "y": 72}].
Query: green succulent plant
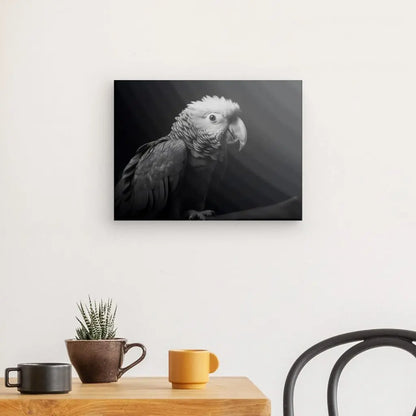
[{"x": 97, "y": 320}]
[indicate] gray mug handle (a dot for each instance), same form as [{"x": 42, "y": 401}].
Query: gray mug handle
[{"x": 6, "y": 376}]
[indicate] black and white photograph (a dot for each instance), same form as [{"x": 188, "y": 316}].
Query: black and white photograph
[{"x": 208, "y": 150}]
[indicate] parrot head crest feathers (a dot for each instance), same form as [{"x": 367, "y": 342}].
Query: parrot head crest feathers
[
  {"x": 214, "y": 104},
  {"x": 207, "y": 124}
]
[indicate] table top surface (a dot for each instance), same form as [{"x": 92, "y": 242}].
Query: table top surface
[
  {"x": 144, "y": 396},
  {"x": 147, "y": 388}
]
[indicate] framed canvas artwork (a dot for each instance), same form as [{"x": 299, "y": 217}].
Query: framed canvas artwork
[{"x": 207, "y": 150}]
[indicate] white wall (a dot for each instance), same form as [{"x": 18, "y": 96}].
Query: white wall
[{"x": 257, "y": 294}]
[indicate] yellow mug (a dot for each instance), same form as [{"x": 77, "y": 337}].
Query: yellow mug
[{"x": 190, "y": 369}]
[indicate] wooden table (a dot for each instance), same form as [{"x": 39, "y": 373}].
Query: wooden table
[{"x": 147, "y": 396}]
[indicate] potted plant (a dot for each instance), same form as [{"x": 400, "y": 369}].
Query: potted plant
[{"x": 96, "y": 353}]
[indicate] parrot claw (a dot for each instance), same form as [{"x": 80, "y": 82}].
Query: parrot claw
[{"x": 199, "y": 215}]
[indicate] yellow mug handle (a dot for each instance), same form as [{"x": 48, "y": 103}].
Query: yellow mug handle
[{"x": 213, "y": 362}]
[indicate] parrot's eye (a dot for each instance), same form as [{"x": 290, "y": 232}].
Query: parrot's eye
[{"x": 212, "y": 117}]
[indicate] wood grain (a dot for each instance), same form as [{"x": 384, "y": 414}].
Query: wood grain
[{"x": 150, "y": 396}]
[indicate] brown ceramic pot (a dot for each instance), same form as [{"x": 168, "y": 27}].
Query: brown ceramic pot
[{"x": 100, "y": 361}]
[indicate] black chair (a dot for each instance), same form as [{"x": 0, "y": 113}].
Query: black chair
[{"x": 367, "y": 340}]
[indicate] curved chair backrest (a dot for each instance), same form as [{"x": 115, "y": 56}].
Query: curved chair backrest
[{"x": 367, "y": 340}]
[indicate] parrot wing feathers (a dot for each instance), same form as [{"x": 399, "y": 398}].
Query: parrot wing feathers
[{"x": 150, "y": 177}]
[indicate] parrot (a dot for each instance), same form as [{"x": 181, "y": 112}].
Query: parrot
[{"x": 169, "y": 178}]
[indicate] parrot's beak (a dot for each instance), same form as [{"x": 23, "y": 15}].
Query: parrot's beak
[{"x": 237, "y": 132}]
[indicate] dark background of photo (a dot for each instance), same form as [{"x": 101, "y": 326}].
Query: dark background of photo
[{"x": 267, "y": 171}]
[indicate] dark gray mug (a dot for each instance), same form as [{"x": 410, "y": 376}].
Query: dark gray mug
[{"x": 41, "y": 378}]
